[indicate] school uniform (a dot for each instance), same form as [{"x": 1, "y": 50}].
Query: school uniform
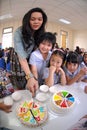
[
  {"x": 72, "y": 75},
  {"x": 36, "y": 59},
  {"x": 56, "y": 76}
]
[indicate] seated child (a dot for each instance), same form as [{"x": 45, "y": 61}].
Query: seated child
[
  {"x": 84, "y": 59},
  {"x": 73, "y": 69},
  {"x": 54, "y": 73},
  {"x": 80, "y": 125},
  {"x": 40, "y": 57},
  {"x": 84, "y": 63}
]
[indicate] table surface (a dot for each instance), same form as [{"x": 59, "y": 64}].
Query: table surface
[{"x": 55, "y": 121}]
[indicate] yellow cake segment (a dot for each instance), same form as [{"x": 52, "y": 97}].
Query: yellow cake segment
[{"x": 57, "y": 97}]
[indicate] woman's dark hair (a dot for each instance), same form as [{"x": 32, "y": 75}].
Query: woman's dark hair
[
  {"x": 73, "y": 57},
  {"x": 26, "y": 29},
  {"x": 47, "y": 36}
]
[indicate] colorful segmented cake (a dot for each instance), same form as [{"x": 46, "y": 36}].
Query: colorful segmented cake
[
  {"x": 63, "y": 102},
  {"x": 32, "y": 113}
]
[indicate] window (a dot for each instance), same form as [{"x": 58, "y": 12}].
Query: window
[
  {"x": 7, "y": 37},
  {"x": 64, "y": 36}
]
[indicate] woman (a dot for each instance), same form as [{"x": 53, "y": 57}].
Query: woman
[{"x": 25, "y": 41}]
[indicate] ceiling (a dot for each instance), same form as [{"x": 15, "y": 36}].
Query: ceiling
[{"x": 74, "y": 11}]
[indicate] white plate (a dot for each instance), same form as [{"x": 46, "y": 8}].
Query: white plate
[
  {"x": 42, "y": 97},
  {"x": 44, "y": 88}
]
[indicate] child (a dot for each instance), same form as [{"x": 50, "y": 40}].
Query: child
[
  {"x": 54, "y": 74},
  {"x": 40, "y": 57},
  {"x": 80, "y": 125},
  {"x": 84, "y": 59},
  {"x": 84, "y": 63},
  {"x": 73, "y": 70}
]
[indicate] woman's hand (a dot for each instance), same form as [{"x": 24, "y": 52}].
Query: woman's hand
[{"x": 32, "y": 85}]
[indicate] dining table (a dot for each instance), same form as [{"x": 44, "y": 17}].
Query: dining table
[{"x": 55, "y": 121}]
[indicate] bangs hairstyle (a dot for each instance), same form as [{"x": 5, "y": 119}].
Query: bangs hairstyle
[
  {"x": 73, "y": 57},
  {"x": 85, "y": 53},
  {"x": 58, "y": 52},
  {"x": 47, "y": 36}
]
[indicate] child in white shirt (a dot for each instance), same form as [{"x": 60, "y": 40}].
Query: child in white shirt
[
  {"x": 40, "y": 57},
  {"x": 54, "y": 73}
]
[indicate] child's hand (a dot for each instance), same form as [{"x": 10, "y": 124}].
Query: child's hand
[
  {"x": 6, "y": 108},
  {"x": 52, "y": 69},
  {"x": 83, "y": 71},
  {"x": 60, "y": 70}
]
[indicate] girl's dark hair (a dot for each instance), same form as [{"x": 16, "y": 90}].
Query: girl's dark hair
[
  {"x": 58, "y": 52},
  {"x": 26, "y": 29},
  {"x": 47, "y": 36},
  {"x": 73, "y": 57},
  {"x": 85, "y": 53}
]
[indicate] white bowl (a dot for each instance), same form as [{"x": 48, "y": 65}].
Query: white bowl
[
  {"x": 44, "y": 88},
  {"x": 16, "y": 96},
  {"x": 8, "y": 101}
]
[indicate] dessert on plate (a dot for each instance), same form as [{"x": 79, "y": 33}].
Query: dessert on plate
[
  {"x": 63, "y": 102},
  {"x": 32, "y": 113}
]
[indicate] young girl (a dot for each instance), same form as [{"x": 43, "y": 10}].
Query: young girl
[
  {"x": 54, "y": 74},
  {"x": 80, "y": 125},
  {"x": 40, "y": 57},
  {"x": 84, "y": 59},
  {"x": 84, "y": 64},
  {"x": 73, "y": 70}
]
